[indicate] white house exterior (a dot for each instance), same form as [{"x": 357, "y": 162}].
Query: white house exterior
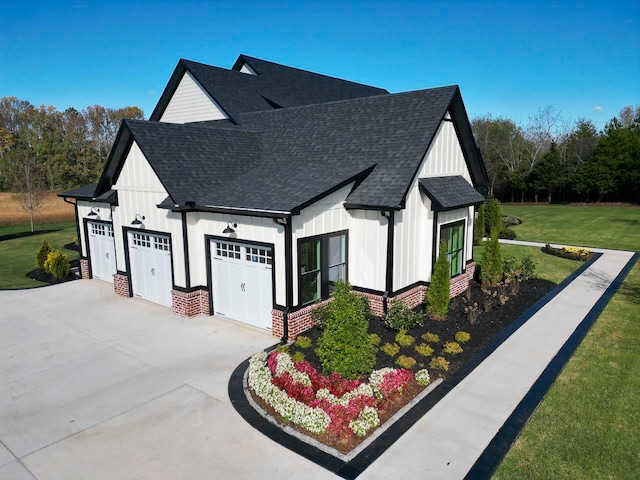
[{"x": 245, "y": 197}]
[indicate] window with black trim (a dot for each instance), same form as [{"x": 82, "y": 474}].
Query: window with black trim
[
  {"x": 322, "y": 262},
  {"x": 453, "y": 235}
]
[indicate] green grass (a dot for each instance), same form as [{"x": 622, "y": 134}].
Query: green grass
[
  {"x": 603, "y": 226},
  {"x": 587, "y": 425},
  {"x": 548, "y": 267},
  {"x": 18, "y": 255}
]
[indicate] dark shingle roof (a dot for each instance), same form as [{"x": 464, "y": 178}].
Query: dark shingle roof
[
  {"x": 85, "y": 192},
  {"x": 283, "y": 159},
  {"x": 447, "y": 193},
  {"x": 274, "y": 86}
]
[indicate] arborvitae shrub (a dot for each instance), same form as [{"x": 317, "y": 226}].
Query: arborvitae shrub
[
  {"x": 57, "y": 264},
  {"x": 439, "y": 289},
  {"x": 491, "y": 261},
  {"x": 345, "y": 346},
  {"x": 493, "y": 219},
  {"x": 43, "y": 253},
  {"x": 479, "y": 226}
]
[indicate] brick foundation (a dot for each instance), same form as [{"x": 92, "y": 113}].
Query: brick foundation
[
  {"x": 84, "y": 268},
  {"x": 190, "y": 304},
  {"x": 460, "y": 283},
  {"x": 121, "y": 285}
]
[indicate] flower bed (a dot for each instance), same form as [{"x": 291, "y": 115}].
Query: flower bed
[
  {"x": 331, "y": 404},
  {"x": 571, "y": 253}
]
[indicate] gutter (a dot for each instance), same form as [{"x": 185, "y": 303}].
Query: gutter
[{"x": 75, "y": 210}]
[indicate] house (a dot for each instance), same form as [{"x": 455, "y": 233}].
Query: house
[{"x": 251, "y": 190}]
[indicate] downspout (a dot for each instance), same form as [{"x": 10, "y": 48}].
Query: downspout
[
  {"x": 390, "y": 216},
  {"x": 288, "y": 266},
  {"x": 75, "y": 210},
  {"x": 185, "y": 250}
]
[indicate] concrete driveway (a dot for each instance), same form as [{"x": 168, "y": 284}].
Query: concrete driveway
[{"x": 97, "y": 386}]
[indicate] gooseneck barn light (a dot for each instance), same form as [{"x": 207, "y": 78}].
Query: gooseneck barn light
[
  {"x": 138, "y": 219},
  {"x": 230, "y": 228}
]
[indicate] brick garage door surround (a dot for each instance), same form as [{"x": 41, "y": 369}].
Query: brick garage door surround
[
  {"x": 302, "y": 320},
  {"x": 190, "y": 304}
]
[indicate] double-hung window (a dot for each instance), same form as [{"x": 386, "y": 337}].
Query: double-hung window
[
  {"x": 453, "y": 235},
  {"x": 322, "y": 262}
]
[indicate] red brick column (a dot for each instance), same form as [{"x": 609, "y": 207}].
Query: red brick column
[
  {"x": 84, "y": 268},
  {"x": 190, "y": 304},
  {"x": 121, "y": 285},
  {"x": 277, "y": 323}
]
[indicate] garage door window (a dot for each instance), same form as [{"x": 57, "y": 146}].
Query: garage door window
[
  {"x": 228, "y": 250},
  {"x": 323, "y": 261},
  {"x": 259, "y": 255},
  {"x": 142, "y": 240},
  {"x": 101, "y": 229}
]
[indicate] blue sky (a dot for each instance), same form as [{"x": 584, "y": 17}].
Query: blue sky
[{"x": 510, "y": 58}]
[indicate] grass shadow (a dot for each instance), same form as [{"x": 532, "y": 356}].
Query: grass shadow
[
  {"x": 12, "y": 236},
  {"x": 631, "y": 292}
]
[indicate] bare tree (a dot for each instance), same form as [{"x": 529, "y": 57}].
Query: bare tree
[
  {"x": 28, "y": 181},
  {"x": 539, "y": 134}
]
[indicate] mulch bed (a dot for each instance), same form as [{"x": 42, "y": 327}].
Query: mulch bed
[
  {"x": 487, "y": 325},
  {"x": 41, "y": 275}
]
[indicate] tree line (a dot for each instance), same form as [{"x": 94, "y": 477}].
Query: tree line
[{"x": 548, "y": 159}]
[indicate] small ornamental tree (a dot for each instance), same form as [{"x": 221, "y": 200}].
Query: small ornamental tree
[
  {"x": 492, "y": 214},
  {"x": 345, "y": 346},
  {"x": 491, "y": 262},
  {"x": 478, "y": 226},
  {"x": 43, "y": 253},
  {"x": 438, "y": 293},
  {"x": 57, "y": 264}
]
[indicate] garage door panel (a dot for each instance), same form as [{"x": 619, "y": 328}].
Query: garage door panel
[
  {"x": 151, "y": 269},
  {"x": 102, "y": 251},
  {"x": 242, "y": 282}
]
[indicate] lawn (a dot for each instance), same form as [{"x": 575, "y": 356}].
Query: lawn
[
  {"x": 587, "y": 425},
  {"x": 18, "y": 255},
  {"x": 615, "y": 227}
]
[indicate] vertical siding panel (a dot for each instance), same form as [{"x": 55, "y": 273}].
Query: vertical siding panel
[{"x": 191, "y": 103}]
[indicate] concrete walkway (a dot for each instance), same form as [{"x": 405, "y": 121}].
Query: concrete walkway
[{"x": 96, "y": 386}]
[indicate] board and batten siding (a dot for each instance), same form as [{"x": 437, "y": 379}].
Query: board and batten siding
[
  {"x": 139, "y": 192},
  {"x": 84, "y": 209},
  {"x": 248, "y": 230},
  {"x": 368, "y": 249},
  {"x": 413, "y": 243},
  {"x": 191, "y": 103}
]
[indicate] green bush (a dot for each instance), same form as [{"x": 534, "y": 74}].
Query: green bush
[
  {"x": 43, "y": 253},
  {"x": 57, "y": 264},
  {"x": 439, "y": 363},
  {"x": 493, "y": 219},
  {"x": 479, "y": 226},
  {"x": 406, "y": 362},
  {"x": 439, "y": 289},
  {"x": 452, "y": 348},
  {"x": 303, "y": 341},
  {"x": 282, "y": 348},
  {"x": 404, "y": 339},
  {"x": 345, "y": 346},
  {"x": 424, "y": 349},
  {"x": 401, "y": 317},
  {"x": 430, "y": 337},
  {"x": 375, "y": 338},
  {"x": 297, "y": 357},
  {"x": 491, "y": 261},
  {"x": 528, "y": 267},
  {"x": 390, "y": 349},
  {"x": 462, "y": 337}
]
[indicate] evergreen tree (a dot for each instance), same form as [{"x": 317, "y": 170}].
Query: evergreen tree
[
  {"x": 491, "y": 262},
  {"x": 478, "y": 226},
  {"x": 438, "y": 294}
]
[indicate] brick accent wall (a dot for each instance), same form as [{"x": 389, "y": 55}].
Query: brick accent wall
[
  {"x": 460, "y": 283},
  {"x": 302, "y": 320},
  {"x": 190, "y": 304},
  {"x": 84, "y": 268},
  {"x": 414, "y": 297},
  {"x": 121, "y": 285},
  {"x": 277, "y": 323}
]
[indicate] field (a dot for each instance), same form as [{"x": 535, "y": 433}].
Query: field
[
  {"x": 53, "y": 209},
  {"x": 587, "y": 425}
]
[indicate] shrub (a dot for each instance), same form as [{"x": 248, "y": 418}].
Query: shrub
[
  {"x": 43, "y": 253},
  {"x": 478, "y": 226},
  {"x": 404, "y": 339},
  {"x": 452, "y": 347},
  {"x": 491, "y": 262},
  {"x": 438, "y": 293},
  {"x": 473, "y": 311},
  {"x": 57, "y": 264},
  {"x": 424, "y": 349},
  {"x": 401, "y": 317},
  {"x": 439, "y": 363},
  {"x": 493, "y": 219},
  {"x": 375, "y": 338},
  {"x": 406, "y": 362},
  {"x": 462, "y": 337},
  {"x": 345, "y": 346},
  {"x": 282, "y": 348},
  {"x": 390, "y": 349},
  {"x": 303, "y": 341},
  {"x": 422, "y": 377},
  {"x": 527, "y": 267},
  {"x": 430, "y": 337},
  {"x": 506, "y": 232},
  {"x": 297, "y": 357}
]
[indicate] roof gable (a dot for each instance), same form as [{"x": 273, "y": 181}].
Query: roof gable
[{"x": 191, "y": 103}]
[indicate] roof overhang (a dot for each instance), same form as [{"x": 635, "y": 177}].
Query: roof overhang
[{"x": 449, "y": 193}]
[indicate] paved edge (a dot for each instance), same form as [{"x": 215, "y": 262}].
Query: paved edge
[
  {"x": 494, "y": 453},
  {"x": 351, "y": 469}
]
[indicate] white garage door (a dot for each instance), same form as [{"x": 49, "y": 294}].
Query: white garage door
[
  {"x": 150, "y": 262},
  {"x": 102, "y": 251},
  {"x": 242, "y": 282}
]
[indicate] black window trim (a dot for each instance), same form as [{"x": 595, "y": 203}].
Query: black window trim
[{"x": 464, "y": 235}]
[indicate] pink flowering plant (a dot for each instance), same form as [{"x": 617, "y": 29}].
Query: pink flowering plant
[{"x": 319, "y": 403}]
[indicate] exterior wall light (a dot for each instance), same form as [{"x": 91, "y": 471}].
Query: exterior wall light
[
  {"x": 137, "y": 220},
  {"x": 230, "y": 228},
  {"x": 94, "y": 213}
]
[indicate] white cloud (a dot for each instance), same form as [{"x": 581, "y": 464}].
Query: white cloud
[{"x": 597, "y": 108}]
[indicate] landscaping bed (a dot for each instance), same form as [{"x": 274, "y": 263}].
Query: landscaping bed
[{"x": 505, "y": 308}]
